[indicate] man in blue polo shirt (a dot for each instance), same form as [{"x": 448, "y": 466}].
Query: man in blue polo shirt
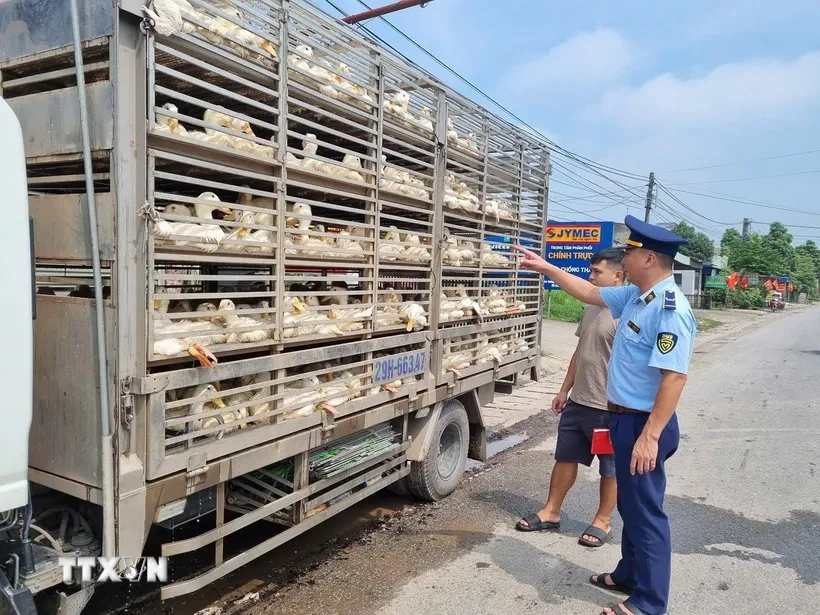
[{"x": 647, "y": 372}]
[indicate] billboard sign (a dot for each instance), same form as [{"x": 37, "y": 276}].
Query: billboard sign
[
  {"x": 717, "y": 281},
  {"x": 570, "y": 246}
]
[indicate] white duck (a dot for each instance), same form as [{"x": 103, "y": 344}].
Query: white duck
[
  {"x": 413, "y": 315},
  {"x": 349, "y": 247},
  {"x": 495, "y": 302},
  {"x": 398, "y": 104},
  {"x": 451, "y": 254},
  {"x": 426, "y": 119},
  {"x": 201, "y": 330},
  {"x": 334, "y": 394},
  {"x": 166, "y": 123},
  {"x": 469, "y": 142},
  {"x": 449, "y": 309},
  {"x": 354, "y": 174},
  {"x": 299, "y": 60},
  {"x": 310, "y": 149},
  {"x": 467, "y": 252},
  {"x": 257, "y": 406},
  {"x": 236, "y": 240},
  {"x": 201, "y": 405},
  {"x": 246, "y": 38},
  {"x": 492, "y": 258},
  {"x": 172, "y": 346},
  {"x": 233, "y": 321},
  {"x": 259, "y": 236},
  {"x": 226, "y": 121},
  {"x": 205, "y": 236},
  {"x": 491, "y": 208},
  {"x": 300, "y": 397},
  {"x": 415, "y": 252},
  {"x": 452, "y": 135},
  {"x": 169, "y": 16},
  {"x": 455, "y": 361},
  {"x": 391, "y": 251},
  {"x": 347, "y": 319}
]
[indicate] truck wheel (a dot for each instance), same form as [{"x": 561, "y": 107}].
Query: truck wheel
[{"x": 438, "y": 475}]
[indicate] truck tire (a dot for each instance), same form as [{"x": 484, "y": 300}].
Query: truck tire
[{"x": 440, "y": 472}]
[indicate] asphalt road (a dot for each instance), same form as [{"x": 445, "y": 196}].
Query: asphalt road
[{"x": 743, "y": 495}]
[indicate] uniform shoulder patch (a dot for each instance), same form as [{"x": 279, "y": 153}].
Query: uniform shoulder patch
[
  {"x": 667, "y": 342},
  {"x": 669, "y": 300}
]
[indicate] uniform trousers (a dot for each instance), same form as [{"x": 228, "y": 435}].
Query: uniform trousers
[{"x": 646, "y": 544}]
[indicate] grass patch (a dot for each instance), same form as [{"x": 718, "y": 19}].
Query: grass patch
[
  {"x": 562, "y": 306},
  {"x": 707, "y": 324}
]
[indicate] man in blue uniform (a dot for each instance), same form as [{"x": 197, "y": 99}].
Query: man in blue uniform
[{"x": 647, "y": 373}]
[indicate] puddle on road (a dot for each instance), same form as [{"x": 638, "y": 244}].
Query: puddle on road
[{"x": 498, "y": 446}]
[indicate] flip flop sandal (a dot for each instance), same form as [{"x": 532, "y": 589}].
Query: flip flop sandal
[
  {"x": 602, "y": 536},
  {"x": 535, "y": 524},
  {"x": 619, "y": 611},
  {"x": 600, "y": 581}
]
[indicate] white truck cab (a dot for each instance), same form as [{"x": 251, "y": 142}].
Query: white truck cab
[{"x": 16, "y": 305}]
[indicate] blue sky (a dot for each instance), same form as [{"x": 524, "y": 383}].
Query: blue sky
[{"x": 649, "y": 87}]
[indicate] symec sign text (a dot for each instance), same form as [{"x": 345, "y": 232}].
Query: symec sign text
[
  {"x": 574, "y": 234},
  {"x": 570, "y": 246}
]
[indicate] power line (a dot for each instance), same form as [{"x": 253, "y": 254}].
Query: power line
[
  {"x": 587, "y": 162},
  {"x": 744, "y": 179},
  {"x": 719, "y": 196},
  {"x": 787, "y": 225},
  {"x": 685, "y": 206},
  {"x": 587, "y": 198},
  {"x": 661, "y": 205},
  {"x": 729, "y": 164}
]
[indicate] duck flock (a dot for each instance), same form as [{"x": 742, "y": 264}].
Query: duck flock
[{"x": 312, "y": 311}]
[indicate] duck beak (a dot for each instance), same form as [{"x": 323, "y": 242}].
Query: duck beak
[
  {"x": 299, "y": 306},
  {"x": 230, "y": 214},
  {"x": 157, "y": 304},
  {"x": 411, "y": 323},
  {"x": 217, "y": 401},
  {"x": 243, "y": 232},
  {"x": 173, "y": 124}
]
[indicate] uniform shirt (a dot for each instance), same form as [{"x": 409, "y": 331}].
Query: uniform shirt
[
  {"x": 656, "y": 331},
  {"x": 596, "y": 334}
]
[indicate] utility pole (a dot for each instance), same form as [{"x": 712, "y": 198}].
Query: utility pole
[
  {"x": 650, "y": 196},
  {"x": 385, "y": 10},
  {"x": 747, "y": 228}
]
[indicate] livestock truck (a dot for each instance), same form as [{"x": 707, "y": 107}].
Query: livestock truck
[{"x": 258, "y": 268}]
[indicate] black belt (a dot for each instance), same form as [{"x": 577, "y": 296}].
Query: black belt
[{"x": 622, "y": 409}]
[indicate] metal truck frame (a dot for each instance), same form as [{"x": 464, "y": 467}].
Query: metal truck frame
[{"x": 451, "y": 178}]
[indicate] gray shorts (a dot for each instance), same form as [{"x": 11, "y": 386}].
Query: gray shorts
[{"x": 575, "y": 437}]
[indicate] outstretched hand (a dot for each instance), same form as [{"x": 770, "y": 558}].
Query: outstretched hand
[{"x": 530, "y": 260}]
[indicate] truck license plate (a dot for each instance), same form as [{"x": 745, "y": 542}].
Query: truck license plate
[{"x": 387, "y": 369}]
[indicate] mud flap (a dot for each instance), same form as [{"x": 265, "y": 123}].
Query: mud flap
[
  {"x": 421, "y": 430},
  {"x": 478, "y": 432}
]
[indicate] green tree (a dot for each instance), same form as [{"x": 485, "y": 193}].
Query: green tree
[
  {"x": 811, "y": 250},
  {"x": 805, "y": 274},
  {"x": 700, "y": 246},
  {"x": 779, "y": 250},
  {"x": 731, "y": 239},
  {"x": 748, "y": 255}
]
